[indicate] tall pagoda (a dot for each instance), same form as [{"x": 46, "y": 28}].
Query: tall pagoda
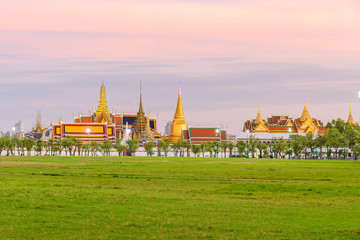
[
  {"x": 178, "y": 124},
  {"x": 102, "y": 114},
  {"x": 140, "y": 121}
]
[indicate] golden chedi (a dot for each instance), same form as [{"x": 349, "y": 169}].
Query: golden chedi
[
  {"x": 102, "y": 114},
  {"x": 178, "y": 124}
]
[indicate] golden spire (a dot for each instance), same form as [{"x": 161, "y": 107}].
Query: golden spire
[
  {"x": 179, "y": 114},
  {"x": 38, "y": 124},
  {"x": 178, "y": 124},
  {"x": 305, "y": 115},
  {"x": 351, "y": 119},
  {"x": 140, "y": 105},
  {"x": 60, "y": 115},
  {"x": 259, "y": 119},
  {"x": 102, "y": 102}
]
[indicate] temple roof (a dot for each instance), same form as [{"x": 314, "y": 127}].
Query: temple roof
[
  {"x": 305, "y": 115},
  {"x": 351, "y": 119}
]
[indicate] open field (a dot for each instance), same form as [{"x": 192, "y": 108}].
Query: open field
[{"x": 178, "y": 198}]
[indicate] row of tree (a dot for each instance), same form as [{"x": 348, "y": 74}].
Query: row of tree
[
  {"x": 341, "y": 140},
  {"x": 71, "y": 147}
]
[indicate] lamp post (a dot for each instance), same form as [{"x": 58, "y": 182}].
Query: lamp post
[
  {"x": 247, "y": 144},
  {"x": 88, "y": 132},
  {"x": 217, "y": 144},
  {"x": 289, "y": 144}
]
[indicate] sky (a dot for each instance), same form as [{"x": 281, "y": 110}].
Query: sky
[{"x": 228, "y": 55}]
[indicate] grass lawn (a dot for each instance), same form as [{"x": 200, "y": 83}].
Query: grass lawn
[{"x": 178, "y": 198}]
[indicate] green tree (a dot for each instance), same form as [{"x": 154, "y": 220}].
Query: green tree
[
  {"x": 279, "y": 146},
  {"x": 230, "y": 146},
  {"x": 29, "y": 145},
  {"x": 223, "y": 146},
  {"x": 261, "y": 147},
  {"x": 203, "y": 147},
  {"x": 320, "y": 143},
  {"x": 196, "y": 149},
  {"x": 2, "y": 145},
  {"x": 241, "y": 146},
  {"x": 94, "y": 147},
  {"x": 39, "y": 145},
  {"x": 159, "y": 147},
  {"x": 21, "y": 147},
  {"x": 166, "y": 146},
  {"x": 132, "y": 145},
  {"x": 149, "y": 148},
  {"x": 334, "y": 140},
  {"x": 77, "y": 145},
  {"x": 68, "y": 143},
  {"x": 252, "y": 145},
  {"x": 120, "y": 148},
  {"x": 211, "y": 147},
  {"x": 187, "y": 146},
  {"x": 297, "y": 144},
  {"x": 9, "y": 145},
  {"x": 106, "y": 147},
  {"x": 176, "y": 147}
]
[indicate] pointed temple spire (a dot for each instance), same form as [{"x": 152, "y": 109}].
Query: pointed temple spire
[
  {"x": 140, "y": 121},
  {"x": 351, "y": 119},
  {"x": 178, "y": 124},
  {"x": 60, "y": 115},
  {"x": 305, "y": 115},
  {"x": 102, "y": 102},
  {"x": 259, "y": 119},
  {"x": 179, "y": 114},
  {"x": 141, "y": 110},
  {"x": 38, "y": 127}
]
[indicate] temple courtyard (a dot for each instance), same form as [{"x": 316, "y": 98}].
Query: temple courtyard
[{"x": 178, "y": 198}]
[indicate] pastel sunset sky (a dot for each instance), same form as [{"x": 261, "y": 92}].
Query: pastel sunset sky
[{"x": 228, "y": 55}]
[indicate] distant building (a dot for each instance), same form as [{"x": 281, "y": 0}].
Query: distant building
[
  {"x": 17, "y": 130},
  {"x": 103, "y": 125},
  {"x": 168, "y": 128},
  {"x": 284, "y": 124},
  {"x": 198, "y": 135}
]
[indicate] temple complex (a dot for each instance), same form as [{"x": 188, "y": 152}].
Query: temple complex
[
  {"x": 284, "y": 124},
  {"x": 103, "y": 124},
  {"x": 178, "y": 124}
]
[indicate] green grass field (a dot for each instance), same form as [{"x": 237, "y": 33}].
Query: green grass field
[{"x": 178, "y": 198}]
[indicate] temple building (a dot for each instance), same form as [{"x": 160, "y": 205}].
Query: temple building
[
  {"x": 351, "y": 118},
  {"x": 197, "y": 135},
  {"x": 284, "y": 124},
  {"x": 179, "y": 130},
  {"x": 103, "y": 124},
  {"x": 38, "y": 131}
]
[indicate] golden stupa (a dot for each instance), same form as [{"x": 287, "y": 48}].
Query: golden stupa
[
  {"x": 102, "y": 114},
  {"x": 178, "y": 124}
]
